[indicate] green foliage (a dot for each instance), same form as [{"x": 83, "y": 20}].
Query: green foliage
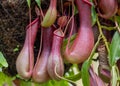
[
  {"x": 3, "y": 62},
  {"x": 16, "y": 48},
  {"x": 73, "y": 73},
  {"x": 93, "y": 14},
  {"x": 115, "y": 76},
  {"x": 4, "y": 79},
  {"x": 118, "y": 19},
  {"x": 114, "y": 49},
  {"x": 29, "y": 3},
  {"x": 75, "y": 10},
  {"x": 85, "y": 73},
  {"x": 114, "y": 55},
  {"x": 38, "y": 2},
  {"x": 49, "y": 83},
  {"x": 56, "y": 83}
]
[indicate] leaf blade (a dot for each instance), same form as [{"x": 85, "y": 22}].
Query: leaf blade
[
  {"x": 29, "y": 3},
  {"x": 3, "y": 61},
  {"x": 85, "y": 75},
  {"x": 94, "y": 15},
  {"x": 4, "y": 79},
  {"x": 115, "y": 76},
  {"x": 114, "y": 49},
  {"x": 38, "y": 3}
]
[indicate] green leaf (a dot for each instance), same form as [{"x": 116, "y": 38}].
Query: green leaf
[
  {"x": 85, "y": 73},
  {"x": 29, "y": 3},
  {"x": 94, "y": 15},
  {"x": 49, "y": 83},
  {"x": 118, "y": 19},
  {"x": 75, "y": 10},
  {"x": 60, "y": 83},
  {"x": 115, "y": 75},
  {"x": 114, "y": 49},
  {"x": 38, "y": 2},
  {"x": 16, "y": 48},
  {"x": 73, "y": 73},
  {"x": 3, "y": 61},
  {"x": 25, "y": 83},
  {"x": 86, "y": 65},
  {"x": 4, "y": 79}
]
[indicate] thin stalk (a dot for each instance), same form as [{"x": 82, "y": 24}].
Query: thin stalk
[
  {"x": 41, "y": 30},
  {"x": 29, "y": 39},
  {"x": 40, "y": 48},
  {"x": 103, "y": 37},
  {"x": 55, "y": 70},
  {"x": 116, "y": 24},
  {"x": 68, "y": 24},
  {"x": 95, "y": 47},
  {"x": 108, "y": 28},
  {"x": 72, "y": 25},
  {"x": 70, "y": 20}
]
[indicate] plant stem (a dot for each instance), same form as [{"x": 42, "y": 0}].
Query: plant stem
[
  {"x": 72, "y": 26},
  {"x": 70, "y": 81},
  {"x": 116, "y": 24},
  {"x": 95, "y": 47},
  {"x": 102, "y": 35},
  {"x": 108, "y": 28}
]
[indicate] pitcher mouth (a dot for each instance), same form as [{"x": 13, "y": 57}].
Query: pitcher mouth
[{"x": 59, "y": 33}]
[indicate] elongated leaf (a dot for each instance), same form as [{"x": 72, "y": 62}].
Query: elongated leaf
[
  {"x": 114, "y": 49},
  {"x": 85, "y": 73},
  {"x": 3, "y": 61},
  {"x": 29, "y": 3},
  {"x": 93, "y": 13},
  {"x": 115, "y": 76},
  {"x": 94, "y": 16},
  {"x": 38, "y": 2}
]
